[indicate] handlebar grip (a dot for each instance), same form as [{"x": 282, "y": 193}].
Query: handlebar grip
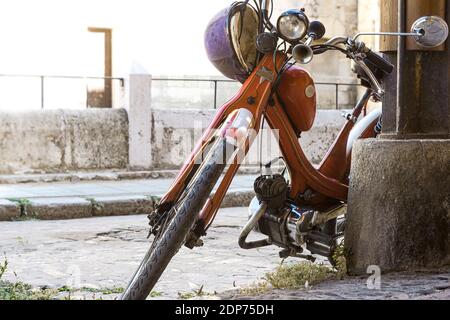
[{"x": 380, "y": 62}]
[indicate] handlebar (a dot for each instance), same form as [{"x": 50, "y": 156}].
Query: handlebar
[
  {"x": 379, "y": 91},
  {"x": 355, "y": 50},
  {"x": 360, "y": 53},
  {"x": 360, "y": 47},
  {"x": 379, "y": 62}
]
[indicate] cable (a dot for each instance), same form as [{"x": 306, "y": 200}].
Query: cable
[
  {"x": 271, "y": 9},
  {"x": 261, "y": 142},
  {"x": 275, "y": 57},
  {"x": 322, "y": 48}
]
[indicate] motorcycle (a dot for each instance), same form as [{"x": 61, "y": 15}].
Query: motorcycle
[{"x": 301, "y": 210}]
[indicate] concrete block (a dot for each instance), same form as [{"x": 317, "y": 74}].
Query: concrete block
[
  {"x": 8, "y": 210},
  {"x": 399, "y": 205},
  {"x": 236, "y": 199},
  {"x": 122, "y": 205},
  {"x": 60, "y": 140},
  {"x": 60, "y": 208},
  {"x": 140, "y": 121}
]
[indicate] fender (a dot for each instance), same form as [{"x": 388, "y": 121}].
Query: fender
[{"x": 362, "y": 128}]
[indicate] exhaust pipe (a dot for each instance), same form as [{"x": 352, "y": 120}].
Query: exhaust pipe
[{"x": 251, "y": 224}]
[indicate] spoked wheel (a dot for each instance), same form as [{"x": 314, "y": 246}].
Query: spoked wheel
[{"x": 175, "y": 225}]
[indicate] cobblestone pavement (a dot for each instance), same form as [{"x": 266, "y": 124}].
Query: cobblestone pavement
[
  {"x": 423, "y": 286},
  {"x": 102, "y": 253}
]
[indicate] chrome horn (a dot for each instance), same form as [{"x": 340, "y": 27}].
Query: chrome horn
[{"x": 302, "y": 52}]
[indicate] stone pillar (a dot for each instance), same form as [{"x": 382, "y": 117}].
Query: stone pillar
[
  {"x": 140, "y": 121},
  {"x": 399, "y": 199}
]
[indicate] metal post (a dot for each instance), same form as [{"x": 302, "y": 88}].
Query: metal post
[
  {"x": 87, "y": 93},
  {"x": 401, "y": 46},
  {"x": 337, "y": 96},
  {"x": 42, "y": 92},
  {"x": 215, "y": 94}
]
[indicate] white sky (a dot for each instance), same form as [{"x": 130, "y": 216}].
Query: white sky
[
  {"x": 50, "y": 36},
  {"x": 159, "y": 37}
]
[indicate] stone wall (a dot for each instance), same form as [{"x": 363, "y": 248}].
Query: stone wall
[
  {"x": 62, "y": 140},
  {"x": 65, "y": 140},
  {"x": 175, "y": 134}
]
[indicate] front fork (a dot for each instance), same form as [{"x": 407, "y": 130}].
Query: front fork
[{"x": 239, "y": 122}]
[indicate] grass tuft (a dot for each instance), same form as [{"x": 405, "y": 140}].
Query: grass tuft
[
  {"x": 195, "y": 293},
  {"x": 340, "y": 263},
  {"x": 256, "y": 289},
  {"x": 3, "y": 267},
  {"x": 24, "y": 205},
  {"x": 155, "y": 294},
  {"x": 300, "y": 275},
  {"x": 23, "y": 291},
  {"x": 106, "y": 291},
  {"x": 96, "y": 205}
]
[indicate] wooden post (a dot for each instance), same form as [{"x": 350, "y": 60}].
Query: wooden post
[
  {"x": 389, "y": 23},
  {"x": 398, "y": 204},
  {"x": 419, "y": 8},
  {"x": 107, "y": 98},
  {"x": 424, "y": 103},
  {"x": 414, "y": 10}
]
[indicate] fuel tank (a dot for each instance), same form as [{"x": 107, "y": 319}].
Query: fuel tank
[{"x": 297, "y": 93}]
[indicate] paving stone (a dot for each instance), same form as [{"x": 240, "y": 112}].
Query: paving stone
[
  {"x": 110, "y": 175},
  {"x": 122, "y": 205},
  {"x": 8, "y": 210},
  {"x": 69, "y": 200},
  {"x": 60, "y": 208},
  {"x": 400, "y": 286},
  {"x": 103, "y": 252}
]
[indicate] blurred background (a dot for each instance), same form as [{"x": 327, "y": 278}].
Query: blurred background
[{"x": 74, "y": 54}]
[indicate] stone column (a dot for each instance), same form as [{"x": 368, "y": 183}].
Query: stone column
[
  {"x": 399, "y": 200},
  {"x": 140, "y": 121}
]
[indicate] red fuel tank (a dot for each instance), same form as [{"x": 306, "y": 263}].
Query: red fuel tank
[{"x": 297, "y": 93}]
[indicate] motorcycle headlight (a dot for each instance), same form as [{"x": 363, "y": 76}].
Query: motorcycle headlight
[{"x": 293, "y": 25}]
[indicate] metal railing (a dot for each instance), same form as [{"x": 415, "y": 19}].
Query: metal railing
[
  {"x": 215, "y": 82},
  {"x": 336, "y": 86},
  {"x": 42, "y": 79}
]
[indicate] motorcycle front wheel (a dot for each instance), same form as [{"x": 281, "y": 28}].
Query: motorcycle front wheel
[{"x": 179, "y": 222}]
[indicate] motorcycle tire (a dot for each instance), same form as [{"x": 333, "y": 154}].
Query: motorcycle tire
[{"x": 174, "y": 236}]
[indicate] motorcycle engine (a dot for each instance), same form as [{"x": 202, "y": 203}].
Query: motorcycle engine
[
  {"x": 271, "y": 190},
  {"x": 283, "y": 219},
  {"x": 287, "y": 225}
]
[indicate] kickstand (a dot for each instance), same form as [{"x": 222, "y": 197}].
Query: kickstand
[{"x": 290, "y": 253}]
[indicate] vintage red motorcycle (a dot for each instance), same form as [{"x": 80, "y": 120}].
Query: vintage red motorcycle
[{"x": 301, "y": 211}]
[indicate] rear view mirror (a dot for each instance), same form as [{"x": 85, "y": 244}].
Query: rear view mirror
[
  {"x": 431, "y": 31},
  {"x": 427, "y": 31}
]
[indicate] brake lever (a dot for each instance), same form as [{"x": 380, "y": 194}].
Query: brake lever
[
  {"x": 356, "y": 50},
  {"x": 379, "y": 91}
]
